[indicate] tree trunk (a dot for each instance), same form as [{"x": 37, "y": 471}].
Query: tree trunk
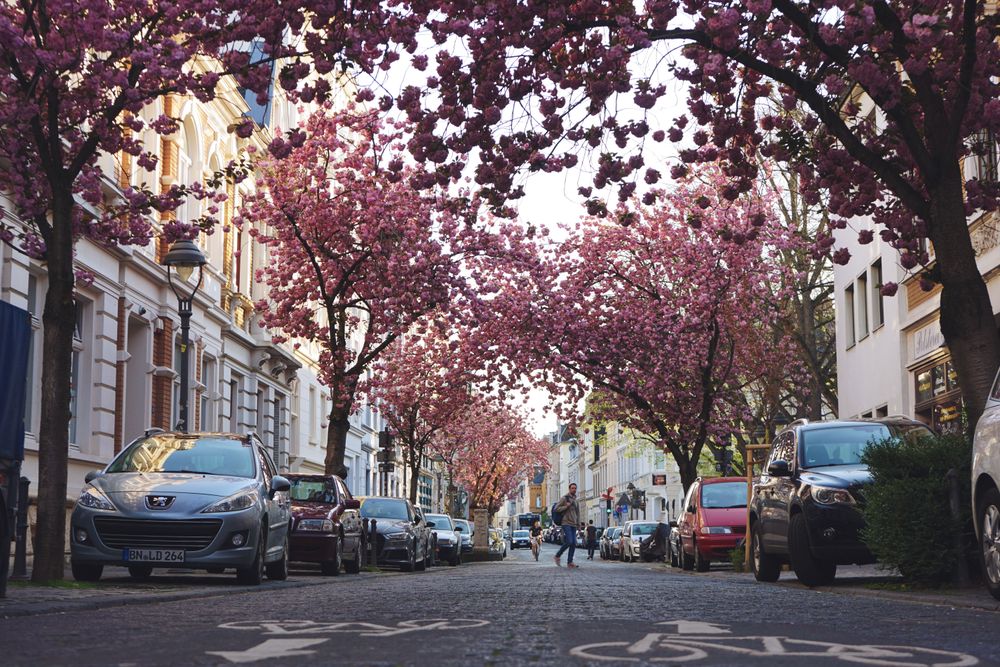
[
  {"x": 336, "y": 441},
  {"x": 58, "y": 323},
  {"x": 689, "y": 472},
  {"x": 967, "y": 321},
  {"x": 414, "y": 474}
]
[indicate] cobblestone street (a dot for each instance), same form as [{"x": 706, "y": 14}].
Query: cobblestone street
[{"x": 504, "y": 613}]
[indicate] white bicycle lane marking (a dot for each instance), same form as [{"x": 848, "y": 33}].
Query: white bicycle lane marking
[
  {"x": 695, "y": 640},
  {"x": 293, "y": 643}
]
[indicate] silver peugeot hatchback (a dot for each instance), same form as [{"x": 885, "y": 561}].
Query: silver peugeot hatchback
[{"x": 184, "y": 500}]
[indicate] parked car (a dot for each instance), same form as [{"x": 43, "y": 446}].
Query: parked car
[
  {"x": 465, "y": 534},
  {"x": 674, "y": 545},
  {"x": 326, "y": 524},
  {"x": 632, "y": 534},
  {"x": 427, "y": 537},
  {"x": 804, "y": 506},
  {"x": 713, "y": 522},
  {"x": 184, "y": 500},
  {"x": 448, "y": 541},
  {"x": 986, "y": 489},
  {"x": 522, "y": 538},
  {"x": 398, "y": 541},
  {"x": 611, "y": 534}
]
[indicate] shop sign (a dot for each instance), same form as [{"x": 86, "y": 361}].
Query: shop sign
[
  {"x": 927, "y": 339},
  {"x": 659, "y": 479}
]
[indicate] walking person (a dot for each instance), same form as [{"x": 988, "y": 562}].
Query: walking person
[
  {"x": 591, "y": 539},
  {"x": 570, "y": 510},
  {"x": 536, "y": 538}
]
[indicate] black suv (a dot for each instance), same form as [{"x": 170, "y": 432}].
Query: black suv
[{"x": 804, "y": 505}]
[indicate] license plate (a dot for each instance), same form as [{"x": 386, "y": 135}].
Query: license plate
[{"x": 153, "y": 555}]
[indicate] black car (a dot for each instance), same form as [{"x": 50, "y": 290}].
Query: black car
[
  {"x": 400, "y": 538},
  {"x": 804, "y": 508}
]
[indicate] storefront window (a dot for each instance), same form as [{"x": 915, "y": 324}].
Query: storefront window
[
  {"x": 924, "y": 387},
  {"x": 939, "y": 379}
]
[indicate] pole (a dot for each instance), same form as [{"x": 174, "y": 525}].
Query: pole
[{"x": 184, "y": 309}]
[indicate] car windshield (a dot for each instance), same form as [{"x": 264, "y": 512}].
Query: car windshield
[
  {"x": 643, "y": 528},
  {"x": 613, "y": 533},
  {"x": 724, "y": 495},
  {"x": 313, "y": 490},
  {"x": 440, "y": 521},
  {"x": 464, "y": 525},
  {"x": 838, "y": 445},
  {"x": 520, "y": 533},
  {"x": 384, "y": 508},
  {"x": 192, "y": 454}
]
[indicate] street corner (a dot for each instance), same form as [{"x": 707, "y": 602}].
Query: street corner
[{"x": 701, "y": 642}]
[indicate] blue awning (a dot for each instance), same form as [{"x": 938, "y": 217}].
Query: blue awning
[{"x": 15, "y": 341}]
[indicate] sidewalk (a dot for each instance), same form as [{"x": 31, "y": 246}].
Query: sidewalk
[
  {"x": 870, "y": 581},
  {"x": 116, "y": 588}
]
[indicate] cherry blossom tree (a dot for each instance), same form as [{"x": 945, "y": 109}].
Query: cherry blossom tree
[
  {"x": 420, "y": 386},
  {"x": 665, "y": 312},
  {"x": 77, "y": 78},
  {"x": 487, "y": 449},
  {"x": 889, "y": 98},
  {"x": 357, "y": 256}
]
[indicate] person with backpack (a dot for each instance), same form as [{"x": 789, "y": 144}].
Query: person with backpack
[
  {"x": 591, "y": 539},
  {"x": 566, "y": 513}
]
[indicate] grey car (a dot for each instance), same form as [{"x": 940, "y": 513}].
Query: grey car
[
  {"x": 449, "y": 546},
  {"x": 207, "y": 501}
]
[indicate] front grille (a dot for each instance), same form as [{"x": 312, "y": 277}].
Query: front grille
[{"x": 192, "y": 535}]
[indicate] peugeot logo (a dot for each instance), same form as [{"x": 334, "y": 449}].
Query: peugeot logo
[{"x": 159, "y": 502}]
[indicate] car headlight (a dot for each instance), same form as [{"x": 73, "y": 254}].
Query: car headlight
[
  {"x": 234, "y": 503},
  {"x": 91, "y": 497},
  {"x": 827, "y": 496},
  {"x": 319, "y": 525},
  {"x": 396, "y": 536},
  {"x": 716, "y": 530}
]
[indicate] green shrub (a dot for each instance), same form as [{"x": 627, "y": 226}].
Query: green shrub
[
  {"x": 736, "y": 557},
  {"x": 909, "y": 521}
]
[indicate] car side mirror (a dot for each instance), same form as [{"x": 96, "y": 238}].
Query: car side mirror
[
  {"x": 458, "y": 529},
  {"x": 416, "y": 521},
  {"x": 279, "y": 483},
  {"x": 431, "y": 524},
  {"x": 92, "y": 475},
  {"x": 778, "y": 468},
  {"x": 352, "y": 504}
]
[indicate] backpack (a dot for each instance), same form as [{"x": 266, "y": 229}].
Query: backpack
[{"x": 556, "y": 515}]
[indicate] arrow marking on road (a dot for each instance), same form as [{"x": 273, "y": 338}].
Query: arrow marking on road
[
  {"x": 697, "y": 627},
  {"x": 271, "y": 648}
]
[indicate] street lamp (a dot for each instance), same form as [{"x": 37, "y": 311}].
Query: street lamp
[{"x": 184, "y": 257}]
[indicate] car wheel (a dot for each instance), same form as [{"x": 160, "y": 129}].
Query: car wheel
[
  {"x": 354, "y": 566},
  {"x": 254, "y": 573},
  {"x": 810, "y": 570},
  {"x": 86, "y": 571},
  {"x": 686, "y": 562},
  {"x": 140, "y": 572},
  {"x": 989, "y": 541},
  {"x": 700, "y": 563},
  {"x": 278, "y": 570},
  {"x": 765, "y": 566},
  {"x": 331, "y": 568}
]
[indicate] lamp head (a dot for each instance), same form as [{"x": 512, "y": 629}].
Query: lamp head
[{"x": 184, "y": 257}]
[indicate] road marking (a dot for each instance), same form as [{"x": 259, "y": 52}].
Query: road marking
[
  {"x": 271, "y": 648},
  {"x": 697, "y": 627}
]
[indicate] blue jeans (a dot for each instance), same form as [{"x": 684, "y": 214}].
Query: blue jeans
[{"x": 569, "y": 542}]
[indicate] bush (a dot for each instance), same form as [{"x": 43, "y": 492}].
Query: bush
[{"x": 909, "y": 521}]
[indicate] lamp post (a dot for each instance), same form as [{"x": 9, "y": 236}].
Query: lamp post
[{"x": 183, "y": 258}]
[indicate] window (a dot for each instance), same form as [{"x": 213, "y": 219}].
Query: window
[
  {"x": 882, "y": 411},
  {"x": 76, "y": 380},
  {"x": 207, "y": 412},
  {"x": 234, "y": 403},
  {"x": 849, "y": 316},
  {"x": 313, "y": 417},
  {"x": 29, "y": 383},
  {"x": 878, "y": 307},
  {"x": 862, "y": 318},
  {"x": 985, "y": 148}
]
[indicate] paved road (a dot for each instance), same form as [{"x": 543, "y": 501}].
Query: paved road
[{"x": 515, "y": 612}]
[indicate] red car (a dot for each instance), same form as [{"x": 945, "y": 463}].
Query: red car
[
  {"x": 326, "y": 524},
  {"x": 714, "y": 521}
]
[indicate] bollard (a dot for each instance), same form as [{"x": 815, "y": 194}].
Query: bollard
[
  {"x": 21, "y": 530},
  {"x": 373, "y": 543},
  {"x": 955, "y": 504}
]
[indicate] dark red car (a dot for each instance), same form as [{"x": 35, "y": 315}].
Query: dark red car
[
  {"x": 714, "y": 521},
  {"x": 326, "y": 524}
]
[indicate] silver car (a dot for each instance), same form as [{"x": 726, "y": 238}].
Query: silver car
[{"x": 201, "y": 501}]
